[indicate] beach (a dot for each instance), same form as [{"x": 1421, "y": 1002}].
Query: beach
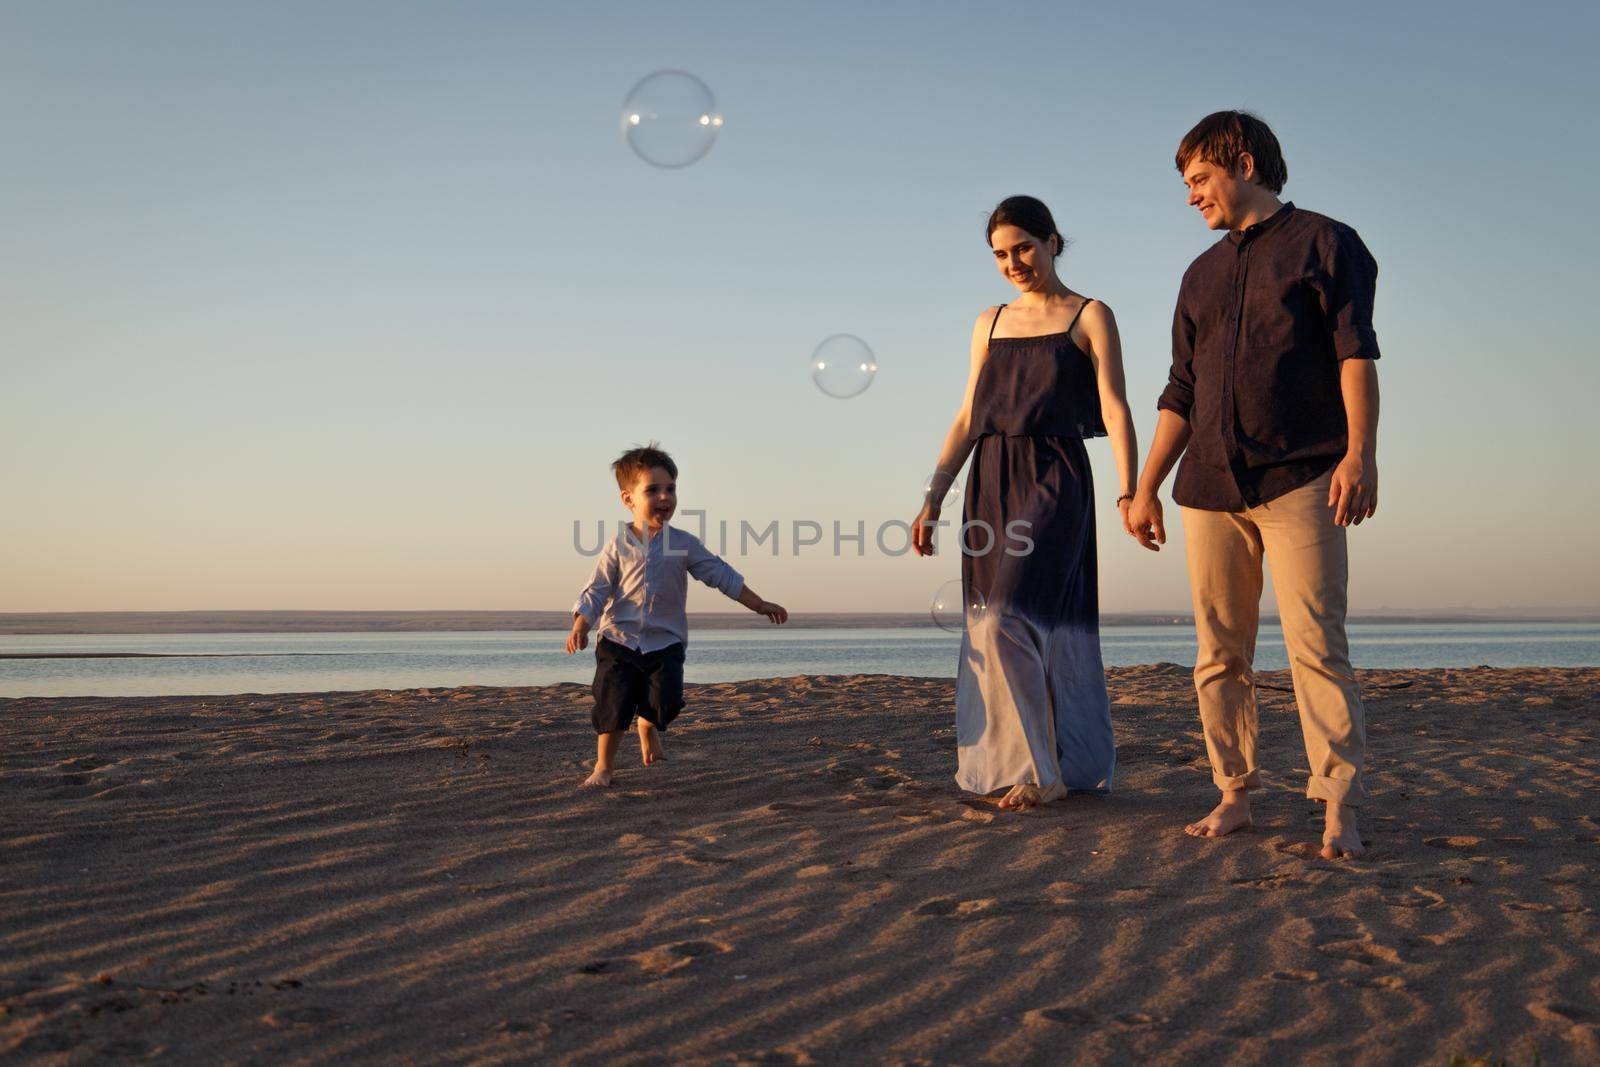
[{"x": 416, "y": 877}]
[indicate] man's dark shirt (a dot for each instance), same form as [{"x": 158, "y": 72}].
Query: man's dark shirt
[{"x": 1265, "y": 317}]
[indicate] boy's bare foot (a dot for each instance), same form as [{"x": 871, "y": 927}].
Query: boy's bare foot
[
  {"x": 1341, "y": 839},
  {"x": 1027, "y": 795},
  {"x": 650, "y": 748},
  {"x": 601, "y": 777},
  {"x": 1230, "y": 815}
]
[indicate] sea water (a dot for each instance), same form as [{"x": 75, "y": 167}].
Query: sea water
[{"x": 206, "y": 664}]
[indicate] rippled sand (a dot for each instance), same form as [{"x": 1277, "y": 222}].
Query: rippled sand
[{"x": 417, "y": 877}]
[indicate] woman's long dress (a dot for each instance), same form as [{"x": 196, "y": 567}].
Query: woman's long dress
[{"x": 1031, "y": 703}]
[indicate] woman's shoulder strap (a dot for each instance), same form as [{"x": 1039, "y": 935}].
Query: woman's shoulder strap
[
  {"x": 995, "y": 320},
  {"x": 1086, "y": 302}
]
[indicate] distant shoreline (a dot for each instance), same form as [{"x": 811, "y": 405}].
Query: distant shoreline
[{"x": 224, "y": 622}]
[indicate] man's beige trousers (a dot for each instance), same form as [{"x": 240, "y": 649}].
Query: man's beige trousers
[{"x": 1295, "y": 535}]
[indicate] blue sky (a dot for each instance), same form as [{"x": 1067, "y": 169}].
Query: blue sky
[{"x": 350, "y": 305}]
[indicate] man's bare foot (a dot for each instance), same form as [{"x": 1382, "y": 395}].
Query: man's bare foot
[
  {"x": 1341, "y": 839},
  {"x": 601, "y": 777},
  {"x": 1230, "y": 815},
  {"x": 650, "y": 748},
  {"x": 1027, "y": 795}
]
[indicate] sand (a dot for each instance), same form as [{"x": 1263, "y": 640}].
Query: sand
[{"x": 416, "y": 877}]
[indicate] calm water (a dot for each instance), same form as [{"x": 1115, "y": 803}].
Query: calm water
[{"x": 298, "y": 663}]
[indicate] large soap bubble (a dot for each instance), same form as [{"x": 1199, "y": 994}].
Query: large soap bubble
[
  {"x": 670, "y": 119},
  {"x": 941, "y": 488},
  {"x": 955, "y": 609},
  {"x": 843, "y": 366}
]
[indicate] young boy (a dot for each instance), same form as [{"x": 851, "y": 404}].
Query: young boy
[{"x": 636, "y": 596}]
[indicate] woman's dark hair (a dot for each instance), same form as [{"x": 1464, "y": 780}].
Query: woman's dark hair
[{"x": 1025, "y": 213}]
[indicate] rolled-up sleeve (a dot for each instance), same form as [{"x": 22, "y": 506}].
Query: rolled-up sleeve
[
  {"x": 1347, "y": 285},
  {"x": 713, "y": 570},
  {"x": 1178, "y": 396},
  {"x": 591, "y": 603}
]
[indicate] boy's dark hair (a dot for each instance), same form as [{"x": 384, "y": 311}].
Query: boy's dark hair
[
  {"x": 636, "y": 461},
  {"x": 1222, "y": 136},
  {"x": 1025, "y": 213}
]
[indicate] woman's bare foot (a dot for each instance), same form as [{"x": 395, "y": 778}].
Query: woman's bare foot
[
  {"x": 650, "y": 748},
  {"x": 1027, "y": 795},
  {"x": 1230, "y": 815},
  {"x": 601, "y": 776},
  {"x": 1340, "y": 837}
]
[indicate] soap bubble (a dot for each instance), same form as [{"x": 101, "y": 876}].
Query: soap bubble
[
  {"x": 941, "y": 488},
  {"x": 843, "y": 366},
  {"x": 670, "y": 119},
  {"x": 955, "y": 610}
]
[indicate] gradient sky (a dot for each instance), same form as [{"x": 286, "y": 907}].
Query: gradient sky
[{"x": 350, "y": 305}]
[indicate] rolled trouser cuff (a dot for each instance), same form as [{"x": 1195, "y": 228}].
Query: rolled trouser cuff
[
  {"x": 1343, "y": 791},
  {"x": 1249, "y": 780}
]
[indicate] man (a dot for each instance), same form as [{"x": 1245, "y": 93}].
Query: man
[{"x": 1272, "y": 402}]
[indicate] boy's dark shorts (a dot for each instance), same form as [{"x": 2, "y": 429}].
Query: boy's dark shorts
[{"x": 629, "y": 683}]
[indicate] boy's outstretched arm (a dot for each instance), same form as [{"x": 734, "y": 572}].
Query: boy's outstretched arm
[
  {"x": 776, "y": 612},
  {"x": 714, "y": 571}
]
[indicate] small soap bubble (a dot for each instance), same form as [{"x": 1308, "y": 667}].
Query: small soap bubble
[
  {"x": 843, "y": 366},
  {"x": 955, "y": 609},
  {"x": 941, "y": 487},
  {"x": 670, "y": 119}
]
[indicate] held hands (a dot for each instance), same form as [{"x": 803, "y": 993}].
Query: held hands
[
  {"x": 1142, "y": 519},
  {"x": 1353, "y": 493},
  {"x": 579, "y": 637}
]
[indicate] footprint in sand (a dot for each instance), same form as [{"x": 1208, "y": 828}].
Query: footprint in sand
[
  {"x": 1415, "y": 897},
  {"x": 1377, "y": 981},
  {"x": 1074, "y": 1016},
  {"x": 656, "y": 962},
  {"x": 700, "y": 857},
  {"x": 1273, "y": 881},
  {"x": 1460, "y": 842},
  {"x": 307, "y": 1015},
  {"x": 669, "y": 958},
  {"x": 82, "y": 763},
  {"x": 938, "y": 906},
  {"x": 1557, "y": 1012},
  {"x": 1430, "y": 940},
  {"x": 1294, "y": 976},
  {"x": 1068, "y": 1015},
  {"x": 785, "y": 807},
  {"x": 1367, "y": 952},
  {"x": 772, "y": 1056}
]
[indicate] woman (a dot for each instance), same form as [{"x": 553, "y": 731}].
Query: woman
[{"x": 1032, "y": 715}]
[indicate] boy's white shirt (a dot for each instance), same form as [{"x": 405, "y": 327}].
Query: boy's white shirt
[{"x": 638, "y": 593}]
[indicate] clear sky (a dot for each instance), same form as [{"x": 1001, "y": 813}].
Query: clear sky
[{"x": 349, "y": 305}]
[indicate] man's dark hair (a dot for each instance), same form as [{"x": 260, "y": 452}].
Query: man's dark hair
[
  {"x": 1223, "y": 136},
  {"x": 1028, "y": 214},
  {"x": 641, "y": 460}
]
